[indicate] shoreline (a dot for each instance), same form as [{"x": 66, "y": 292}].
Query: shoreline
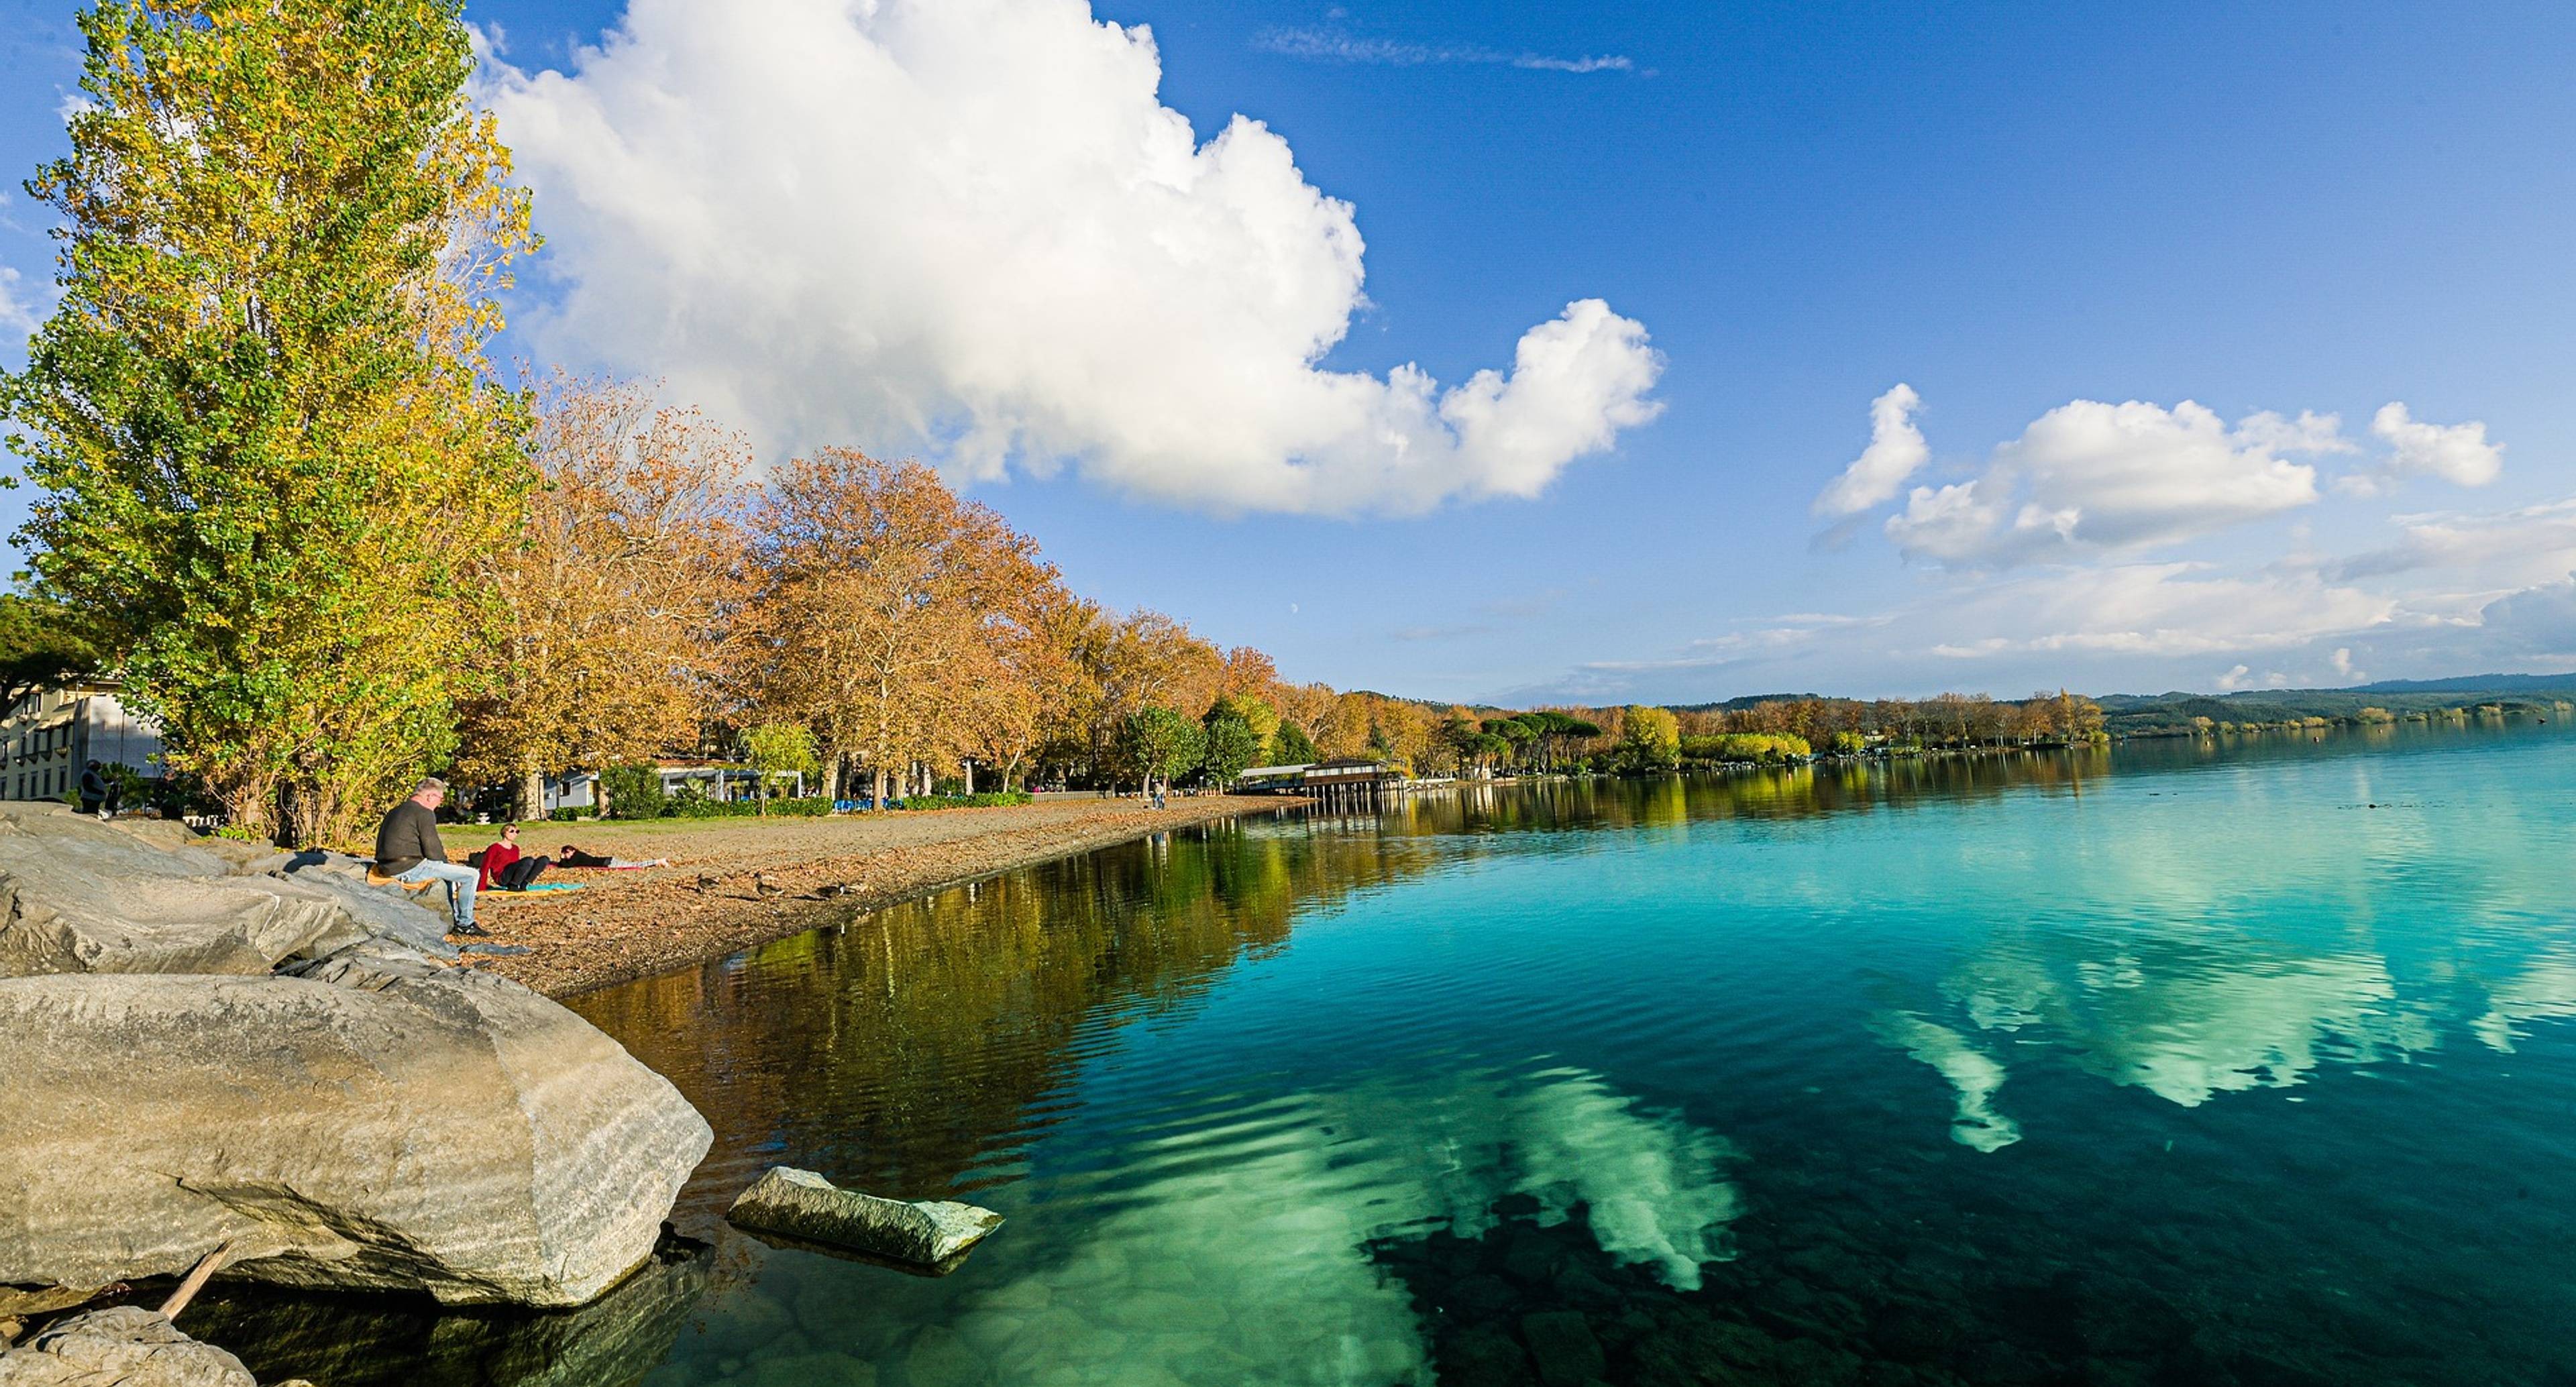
[{"x": 735, "y": 884}]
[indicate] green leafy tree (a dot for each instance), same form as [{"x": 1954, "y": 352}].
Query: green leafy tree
[
  {"x": 775, "y": 749},
  {"x": 267, "y": 446},
  {"x": 1157, "y": 744},
  {"x": 1651, "y": 740},
  {"x": 1290, "y": 746},
  {"x": 1232, "y": 744},
  {"x": 41, "y": 647}
]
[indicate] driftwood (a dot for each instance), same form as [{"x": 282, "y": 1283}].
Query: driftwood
[{"x": 196, "y": 1281}]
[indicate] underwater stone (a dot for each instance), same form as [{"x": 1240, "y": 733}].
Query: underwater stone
[
  {"x": 1562, "y": 1347},
  {"x": 801, "y": 1204}
]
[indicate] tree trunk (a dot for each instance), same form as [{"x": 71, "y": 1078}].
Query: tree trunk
[
  {"x": 970, "y": 775},
  {"x": 532, "y": 795}
]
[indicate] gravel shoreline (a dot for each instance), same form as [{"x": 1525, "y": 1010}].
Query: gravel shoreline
[{"x": 736, "y": 883}]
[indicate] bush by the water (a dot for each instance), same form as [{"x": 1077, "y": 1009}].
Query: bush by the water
[{"x": 1762, "y": 748}]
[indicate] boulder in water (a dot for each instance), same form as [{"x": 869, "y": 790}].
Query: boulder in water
[
  {"x": 802, "y": 1205},
  {"x": 381, "y": 1123}
]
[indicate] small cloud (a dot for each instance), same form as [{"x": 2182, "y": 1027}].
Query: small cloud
[
  {"x": 1338, "y": 46},
  {"x": 2344, "y": 668},
  {"x": 2235, "y": 678},
  {"x": 2457, "y": 453},
  {"x": 1896, "y": 450},
  {"x": 1438, "y": 633}
]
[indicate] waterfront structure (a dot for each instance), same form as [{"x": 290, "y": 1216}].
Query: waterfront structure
[{"x": 51, "y": 733}]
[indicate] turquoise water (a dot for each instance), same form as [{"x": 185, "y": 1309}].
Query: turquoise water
[{"x": 2242, "y": 1062}]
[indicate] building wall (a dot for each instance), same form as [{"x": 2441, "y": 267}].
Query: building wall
[{"x": 52, "y": 733}]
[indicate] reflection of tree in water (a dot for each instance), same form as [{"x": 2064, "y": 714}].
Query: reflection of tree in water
[{"x": 905, "y": 1050}]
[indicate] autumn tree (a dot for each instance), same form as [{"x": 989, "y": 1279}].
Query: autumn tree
[
  {"x": 269, "y": 455},
  {"x": 610, "y": 604},
  {"x": 880, "y": 600},
  {"x": 1650, "y": 739}
]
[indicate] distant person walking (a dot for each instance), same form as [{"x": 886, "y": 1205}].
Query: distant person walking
[
  {"x": 408, "y": 850},
  {"x": 98, "y": 794},
  {"x": 505, "y": 868}
]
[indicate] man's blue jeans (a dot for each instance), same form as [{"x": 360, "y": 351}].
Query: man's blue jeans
[{"x": 460, "y": 885}]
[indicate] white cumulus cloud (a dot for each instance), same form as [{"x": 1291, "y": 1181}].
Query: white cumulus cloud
[
  {"x": 2456, "y": 453},
  {"x": 2087, "y": 477},
  {"x": 1896, "y": 449},
  {"x": 970, "y": 229}
]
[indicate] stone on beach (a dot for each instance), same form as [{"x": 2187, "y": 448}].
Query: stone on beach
[
  {"x": 382, "y": 1123},
  {"x": 801, "y": 1204}
]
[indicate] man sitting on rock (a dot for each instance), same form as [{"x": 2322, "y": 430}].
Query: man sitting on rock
[{"x": 408, "y": 850}]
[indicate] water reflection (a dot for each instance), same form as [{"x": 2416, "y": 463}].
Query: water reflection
[
  {"x": 1961, "y": 1069},
  {"x": 1238, "y": 1250}
]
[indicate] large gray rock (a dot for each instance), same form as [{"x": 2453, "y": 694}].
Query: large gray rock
[
  {"x": 382, "y": 1124},
  {"x": 415, "y": 919},
  {"x": 81, "y": 896},
  {"x": 803, "y": 1205},
  {"x": 128, "y": 1346}
]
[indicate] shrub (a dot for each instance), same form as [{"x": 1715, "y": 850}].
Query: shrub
[
  {"x": 634, "y": 792},
  {"x": 992, "y": 799},
  {"x": 566, "y": 816}
]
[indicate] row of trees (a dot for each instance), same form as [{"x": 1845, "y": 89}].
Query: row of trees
[{"x": 285, "y": 494}]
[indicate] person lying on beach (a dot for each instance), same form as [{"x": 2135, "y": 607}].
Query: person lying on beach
[
  {"x": 574, "y": 857},
  {"x": 505, "y": 868}
]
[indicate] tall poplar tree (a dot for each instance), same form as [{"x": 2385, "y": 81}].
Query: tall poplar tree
[{"x": 269, "y": 449}]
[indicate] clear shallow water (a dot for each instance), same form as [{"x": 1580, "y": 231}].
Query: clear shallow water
[{"x": 2172, "y": 1063}]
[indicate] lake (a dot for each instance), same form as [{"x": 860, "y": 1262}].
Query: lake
[{"x": 2246, "y": 1061}]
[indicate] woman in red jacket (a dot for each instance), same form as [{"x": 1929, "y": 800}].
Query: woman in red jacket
[{"x": 504, "y": 869}]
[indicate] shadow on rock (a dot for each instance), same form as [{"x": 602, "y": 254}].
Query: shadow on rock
[{"x": 380, "y": 1341}]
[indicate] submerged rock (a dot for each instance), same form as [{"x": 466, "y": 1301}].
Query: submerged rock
[
  {"x": 128, "y": 1346},
  {"x": 801, "y": 1204},
  {"x": 381, "y": 1123}
]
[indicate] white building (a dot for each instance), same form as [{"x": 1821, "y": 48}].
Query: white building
[{"x": 51, "y": 733}]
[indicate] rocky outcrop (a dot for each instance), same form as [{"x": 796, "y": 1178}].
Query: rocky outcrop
[
  {"x": 128, "y": 1346},
  {"x": 380, "y": 1122},
  {"x": 802, "y": 1205},
  {"x": 81, "y": 896}
]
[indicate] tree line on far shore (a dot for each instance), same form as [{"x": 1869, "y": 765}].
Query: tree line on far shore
[{"x": 329, "y": 546}]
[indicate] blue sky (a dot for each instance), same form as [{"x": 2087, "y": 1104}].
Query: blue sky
[{"x": 1694, "y": 243}]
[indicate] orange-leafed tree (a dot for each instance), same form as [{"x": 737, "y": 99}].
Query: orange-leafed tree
[{"x": 612, "y": 603}]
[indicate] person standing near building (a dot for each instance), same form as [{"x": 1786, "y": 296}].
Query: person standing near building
[
  {"x": 98, "y": 794},
  {"x": 408, "y": 850}
]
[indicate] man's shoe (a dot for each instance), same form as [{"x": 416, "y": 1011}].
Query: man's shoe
[{"x": 469, "y": 931}]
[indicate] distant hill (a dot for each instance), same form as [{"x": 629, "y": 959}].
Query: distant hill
[
  {"x": 2477, "y": 683},
  {"x": 1738, "y": 705},
  {"x": 2140, "y": 714}
]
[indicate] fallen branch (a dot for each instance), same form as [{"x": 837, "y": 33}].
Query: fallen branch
[{"x": 196, "y": 1281}]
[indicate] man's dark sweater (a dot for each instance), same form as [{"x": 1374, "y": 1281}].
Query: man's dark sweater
[{"x": 409, "y": 835}]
